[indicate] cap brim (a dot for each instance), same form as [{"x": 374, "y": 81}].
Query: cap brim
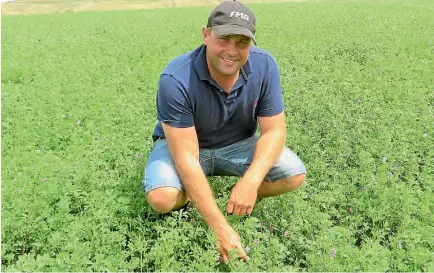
[{"x": 225, "y": 30}]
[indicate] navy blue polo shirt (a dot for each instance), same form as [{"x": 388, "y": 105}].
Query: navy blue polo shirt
[{"x": 187, "y": 96}]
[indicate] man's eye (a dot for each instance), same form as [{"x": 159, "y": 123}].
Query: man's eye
[{"x": 244, "y": 43}]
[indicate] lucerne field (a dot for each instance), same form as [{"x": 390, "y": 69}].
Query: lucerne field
[{"x": 78, "y": 109}]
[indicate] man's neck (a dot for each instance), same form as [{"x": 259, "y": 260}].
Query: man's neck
[{"x": 227, "y": 82}]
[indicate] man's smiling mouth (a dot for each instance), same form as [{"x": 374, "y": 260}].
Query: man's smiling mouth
[{"x": 229, "y": 61}]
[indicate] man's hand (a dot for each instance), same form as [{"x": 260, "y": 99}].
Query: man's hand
[
  {"x": 242, "y": 198},
  {"x": 227, "y": 239}
]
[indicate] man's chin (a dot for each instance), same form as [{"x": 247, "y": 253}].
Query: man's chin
[{"x": 227, "y": 72}]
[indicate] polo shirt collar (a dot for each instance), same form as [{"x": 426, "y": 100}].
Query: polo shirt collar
[{"x": 202, "y": 69}]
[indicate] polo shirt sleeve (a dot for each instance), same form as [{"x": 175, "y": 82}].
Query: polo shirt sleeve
[
  {"x": 173, "y": 105},
  {"x": 271, "y": 102}
]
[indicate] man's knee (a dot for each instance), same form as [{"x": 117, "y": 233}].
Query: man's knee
[
  {"x": 293, "y": 182},
  {"x": 163, "y": 200}
]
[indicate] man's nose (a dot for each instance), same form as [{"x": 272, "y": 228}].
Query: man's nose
[{"x": 232, "y": 47}]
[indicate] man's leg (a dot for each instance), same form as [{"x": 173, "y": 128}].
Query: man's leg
[
  {"x": 163, "y": 189},
  {"x": 287, "y": 174},
  {"x": 166, "y": 199},
  {"x": 267, "y": 189}
]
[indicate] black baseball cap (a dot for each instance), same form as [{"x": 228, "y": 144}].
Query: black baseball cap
[{"x": 232, "y": 17}]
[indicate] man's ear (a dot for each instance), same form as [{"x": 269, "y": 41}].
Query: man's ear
[{"x": 205, "y": 35}]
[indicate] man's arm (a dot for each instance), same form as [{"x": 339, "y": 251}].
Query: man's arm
[
  {"x": 268, "y": 148},
  {"x": 184, "y": 148},
  {"x": 270, "y": 144},
  {"x": 271, "y": 119}
]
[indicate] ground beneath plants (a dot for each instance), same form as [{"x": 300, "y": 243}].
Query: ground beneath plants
[{"x": 20, "y": 7}]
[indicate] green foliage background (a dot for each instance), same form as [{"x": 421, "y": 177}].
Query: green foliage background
[{"x": 78, "y": 110}]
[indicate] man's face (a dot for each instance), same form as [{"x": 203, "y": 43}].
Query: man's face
[{"x": 226, "y": 54}]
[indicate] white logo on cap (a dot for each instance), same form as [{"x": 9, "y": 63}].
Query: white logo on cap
[{"x": 240, "y": 15}]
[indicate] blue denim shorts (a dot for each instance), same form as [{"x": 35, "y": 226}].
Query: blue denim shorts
[{"x": 232, "y": 160}]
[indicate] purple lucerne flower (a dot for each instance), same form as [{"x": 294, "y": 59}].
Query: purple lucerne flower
[
  {"x": 332, "y": 253},
  {"x": 286, "y": 234}
]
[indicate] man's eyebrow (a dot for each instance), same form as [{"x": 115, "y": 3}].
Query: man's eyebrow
[{"x": 241, "y": 39}]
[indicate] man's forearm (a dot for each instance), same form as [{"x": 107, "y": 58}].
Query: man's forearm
[
  {"x": 199, "y": 191},
  {"x": 267, "y": 151}
]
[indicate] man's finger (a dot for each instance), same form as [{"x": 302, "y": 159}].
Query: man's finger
[
  {"x": 249, "y": 210},
  {"x": 224, "y": 257},
  {"x": 244, "y": 211},
  {"x": 242, "y": 253},
  {"x": 230, "y": 207},
  {"x": 223, "y": 260},
  {"x": 237, "y": 210}
]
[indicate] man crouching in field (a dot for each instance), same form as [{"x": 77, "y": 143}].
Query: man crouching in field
[{"x": 210, "y": 101}]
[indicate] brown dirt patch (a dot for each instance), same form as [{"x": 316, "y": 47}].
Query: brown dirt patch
[{"x": 60, "y": 6}]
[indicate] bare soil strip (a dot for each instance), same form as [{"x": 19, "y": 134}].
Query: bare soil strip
[{"x": 52, "y": 6}]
